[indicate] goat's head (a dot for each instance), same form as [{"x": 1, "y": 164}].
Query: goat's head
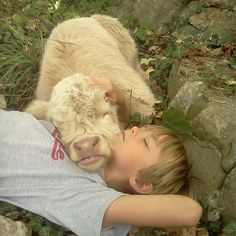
[{"x": 86, "y": 120}]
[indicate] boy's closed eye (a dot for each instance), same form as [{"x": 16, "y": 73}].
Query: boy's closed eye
[{"x": 146, "y": 144}]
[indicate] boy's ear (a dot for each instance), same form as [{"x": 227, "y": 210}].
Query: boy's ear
[{"x": 139, "y": 187}]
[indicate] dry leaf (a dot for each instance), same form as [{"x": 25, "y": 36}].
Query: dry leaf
[
  {"x": 193, "y": 231},
  {"x": 230, "y": 82},
  {"x": 153, "y": 48},
  {"x": 146, "y": 61},
  {"x": 149, "y": 70}
]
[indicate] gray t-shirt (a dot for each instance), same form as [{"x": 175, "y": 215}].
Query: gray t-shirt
[{"x": 37, "y": 175}]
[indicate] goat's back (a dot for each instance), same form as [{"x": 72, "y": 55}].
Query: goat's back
[{"x": 83, "y": 45}]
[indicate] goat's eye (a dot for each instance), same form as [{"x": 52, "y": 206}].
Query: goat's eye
[
  {"x": 107, "y": 98},
  {"x": 105, "y": 114}
]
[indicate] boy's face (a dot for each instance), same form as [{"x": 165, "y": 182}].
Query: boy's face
[{"x": 135, "y": 150}]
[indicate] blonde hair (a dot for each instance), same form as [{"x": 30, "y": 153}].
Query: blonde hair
[{"x": 170, "y": 175}]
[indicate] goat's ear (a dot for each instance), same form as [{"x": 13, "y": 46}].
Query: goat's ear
[
  {"x": 111, "y": 100},
  {"x": 38, "y": 109}
]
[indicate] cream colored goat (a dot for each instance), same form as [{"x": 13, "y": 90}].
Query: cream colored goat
[
  {"x": 86, "y": 120},
  {"x": 96, "y": 46},
  {"x": 93, "y": 47}
]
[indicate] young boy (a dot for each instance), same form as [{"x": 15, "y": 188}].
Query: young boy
[{"x": 37, "y": 175}]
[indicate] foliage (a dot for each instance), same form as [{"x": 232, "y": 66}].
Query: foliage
[
  {"x": 175, "y": 119},
  {"x": 21, "y": 45},
  {"x": 143, "y": 33},
  {"x": 215, "y": 41},
  {"x": 211, "y": 218},
  {"x": 233, "y": 60},
  {"x": 88, "y": 7},
  {"x": 39, "y": 225},
  {"x": 169, "y": 27},
  {"x": 24, "y": 28},
  {"x": 138, "y": 120},
  {"x": 223, "y": 80},
  {"x": 230, "y": 229}
]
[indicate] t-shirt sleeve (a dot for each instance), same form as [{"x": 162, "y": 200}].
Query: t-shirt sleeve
[{"x": 81, "y": 210}]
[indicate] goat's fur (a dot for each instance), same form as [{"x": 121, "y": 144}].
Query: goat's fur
[
  {"x": 80, "y": 112},
  {"x": 95, "y": 47}
]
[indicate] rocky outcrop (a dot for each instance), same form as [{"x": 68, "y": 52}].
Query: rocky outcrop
[
  {"x": 157, "y": 12},
  {"x": 9, "y": 227},
  {"x": 210, "y": 20},
  {"x": 209, "y": 107},
  {"x": 212, "y": 147}
]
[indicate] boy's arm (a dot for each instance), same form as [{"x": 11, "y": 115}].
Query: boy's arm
[{"x": 164, "y": 211}]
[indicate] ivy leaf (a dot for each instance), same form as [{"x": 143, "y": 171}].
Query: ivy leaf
[
  {"x": 175, "y": 120},
  {"x": 230, "y": 229},
  {"x": 141, "y": 34}
]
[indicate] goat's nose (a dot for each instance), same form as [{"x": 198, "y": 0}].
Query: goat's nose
[{"x": 86, "y": 144}]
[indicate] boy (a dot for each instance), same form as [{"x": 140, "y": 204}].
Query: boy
[{"x": 36, "y": 174}]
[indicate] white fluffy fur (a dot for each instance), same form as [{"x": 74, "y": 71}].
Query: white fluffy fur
[
  {"x": 95, "y": 47},
  {"x": 80, "y": 111}
]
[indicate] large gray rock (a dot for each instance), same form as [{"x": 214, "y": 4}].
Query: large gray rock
[
  {"x": 219, "y": 3},
  {"x": 227, "y": 196},
  {"x": 212, "y": 113},
  {"x": 156, "y": 12},
  {"x": 215, "y": 23},
  {"x": 9, "y": 227}
]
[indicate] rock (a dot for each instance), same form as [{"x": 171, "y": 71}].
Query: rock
[
  {"x": 206, "y": 172},
  {"x": 227, "y": 197},
  {"x": 212, "y": 146},
  {"x": 156, "y": 12},
  {"x": 209, "y": 23},
  {"x": 217, "y": 3},
  {"x": 216, "y": 52},
  {"x": 230, "y": 161},
  {"x": 200, "y": 21},
  {"x": 221, "y": 23},
  {"x": 9, "y": 227}
]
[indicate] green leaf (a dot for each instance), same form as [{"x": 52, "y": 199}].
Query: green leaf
[
  {"x": 36, "y": 222},
  {"x": 230, "y": 229},
  {"x": 141, "y": 34},
  {"x": 138, "y": 119},
  {"x": 175, "y": 120},
  {"x": 233, "y": 60}
]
